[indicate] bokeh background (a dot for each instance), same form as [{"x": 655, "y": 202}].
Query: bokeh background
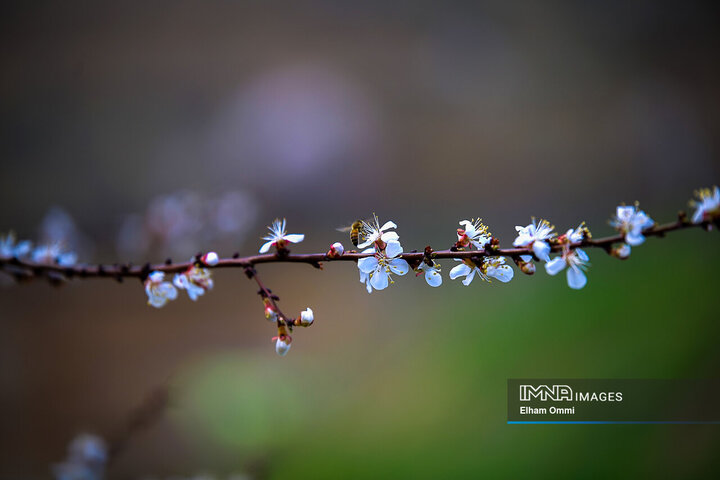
[{"x": 160, "y": 129}]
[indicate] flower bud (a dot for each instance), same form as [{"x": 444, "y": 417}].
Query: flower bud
[
  {"x": 622, "y": 251},
  {"x": 282, "y": 344},
  {"x": 528, "y": 268},
  {"x": 210, "y": 259},
  {"x": 525, "y": 264},
  {"x": 270, "y": 311},
  {"x": 306, "y": 318},
  {"x": 336, "y": 250}
]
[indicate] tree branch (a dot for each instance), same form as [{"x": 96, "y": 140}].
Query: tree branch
[{"x": 26, "y": 269}]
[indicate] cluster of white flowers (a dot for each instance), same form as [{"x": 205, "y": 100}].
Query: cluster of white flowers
[
  {"x": 540, "y": 237},
  {"x": 381, "y": 257},
  {"x": 196, "y": 280},
  {"x": 475, "y": 236},
  {"x": 10, "y": 249},
  {"x": 51, "y": 254}
]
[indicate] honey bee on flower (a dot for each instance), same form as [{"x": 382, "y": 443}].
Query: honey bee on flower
[{"x": 371, "y": 232}]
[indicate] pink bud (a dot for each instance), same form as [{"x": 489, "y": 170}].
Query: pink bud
[
  {"x": 210, "y": 259},
  {"x": 336, "y": 250}
]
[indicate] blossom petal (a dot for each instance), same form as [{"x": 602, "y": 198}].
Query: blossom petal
[
  {"x": 433, "y": 277},
  {"x": 388, "y": 226},
  {"x": 624, "y": 213},
  {"x": 156, "y": 301},
  {"x": 582, "y": 255},
  {"x": 480, "y": 242},
  {"x": 393, "y": 249},
  {"x": 389, "y": 237},
  {"x": 459, "y": 271},
  {"x": 180, "y": 280},
  {"x": 541, "y": 250},
  {"x": 399, "y": 266},
  {"x": 266, "y": 246},
  {"x": 379, "y": 279},
  {"x": 470, "y": 277},
  {"x": 169, "y": 291},
  {"x": 555, "y": 266},
  {"x": 576, "y": 278},
  {"x": 504, "y": 273},
  {"x": 634, "y": 238},
  {"x": 698, "y": 215},
  {"x": 294, "y": 237},
  {"x": 469, "y": 228},
  {"x": 367, "y": 264}
]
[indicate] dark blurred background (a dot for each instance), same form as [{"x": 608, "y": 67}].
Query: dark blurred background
[{"x": 140, "y": 131}]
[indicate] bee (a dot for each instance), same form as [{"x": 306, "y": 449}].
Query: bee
[{"x": 355, "y": 230}]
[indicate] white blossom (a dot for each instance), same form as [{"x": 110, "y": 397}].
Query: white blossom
[
  {"x": 535, "y": 236},
  {"x": 365, "y": 278},
  {"x": 375, "y": 270},
  {"x": 708, "y": 206},
  {"x": 631, "y": 222},
  {"x": 278, "y": 238},
  {"x": 474, "y": 233},
  {"x": 53, "y": 254},
  {"x": 576, "y": 260},
  {"x": 371, "y": 232},
  {"x": 307, "y": 317},
  {"x": 494, "y": 267},
  {"x": 195, "y": 281},
  {"x": 432, "y": 274},
  {"x": 158, "y": 290},
  {"x": 8, "y": 247}
]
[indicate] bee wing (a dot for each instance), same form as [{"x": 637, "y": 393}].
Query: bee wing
[{"x": 344, "y": 229}]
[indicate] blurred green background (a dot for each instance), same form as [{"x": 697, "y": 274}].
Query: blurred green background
[{"x": 427, "y": 113}]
